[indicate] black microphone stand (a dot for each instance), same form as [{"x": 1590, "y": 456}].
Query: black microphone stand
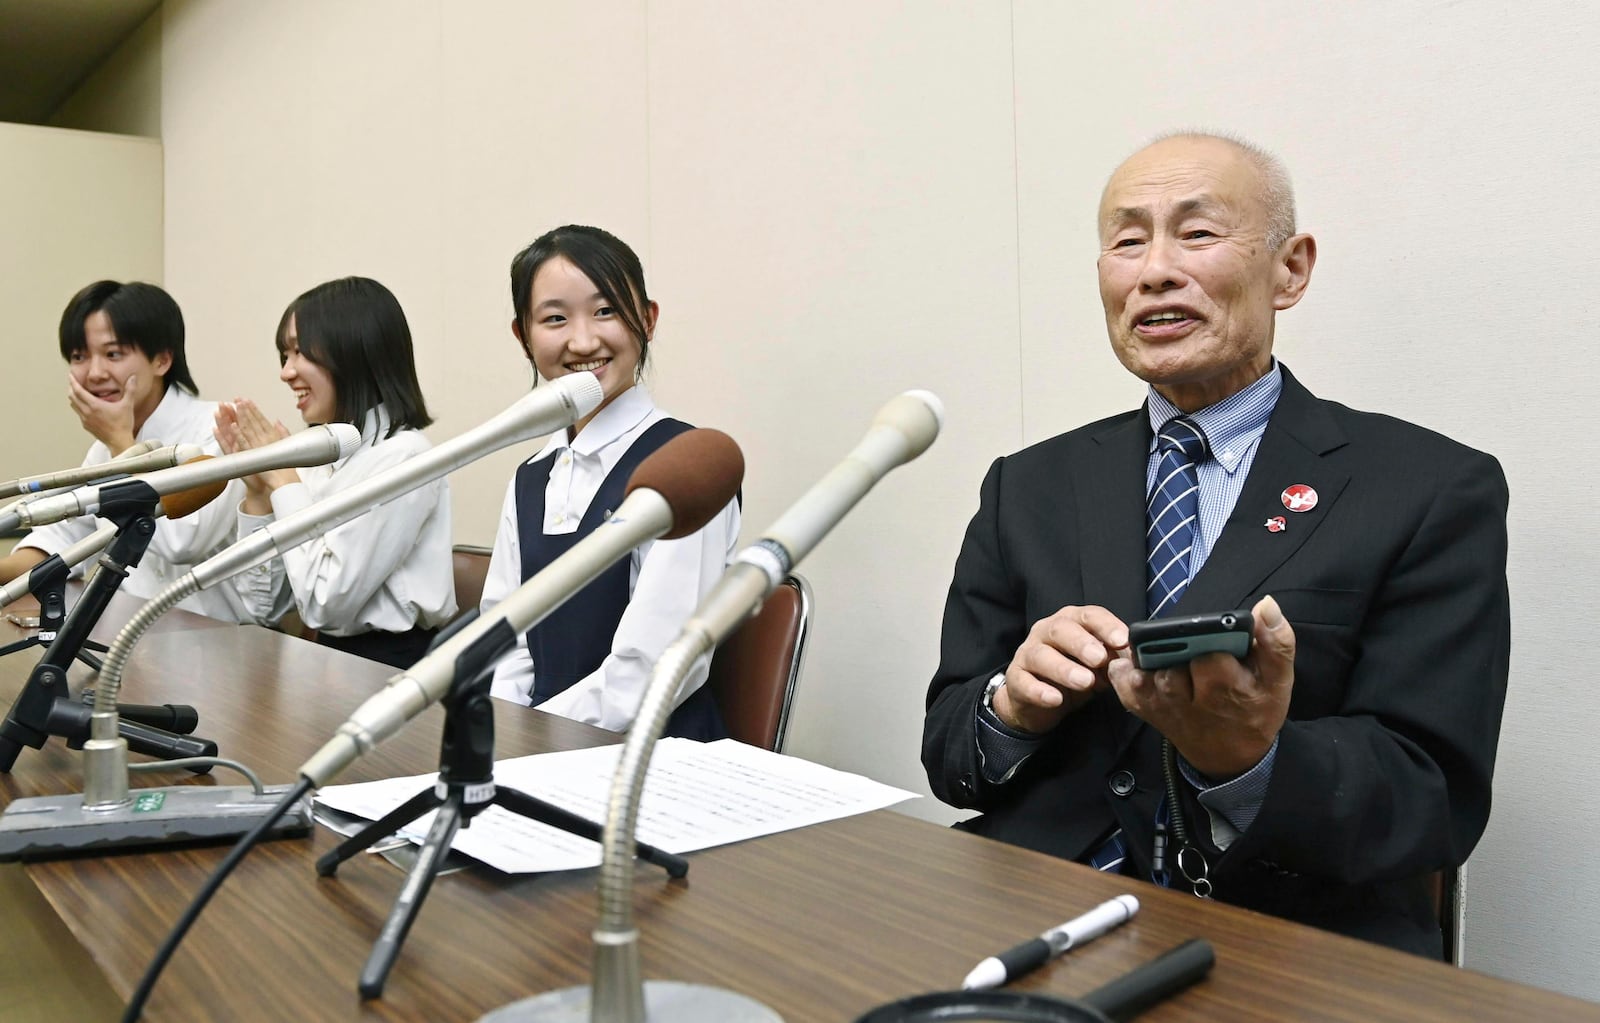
[
  {"x": 47, "y": 581},
  {"x": 44, "y": 707},
  {"x": 465, "y": 788}
]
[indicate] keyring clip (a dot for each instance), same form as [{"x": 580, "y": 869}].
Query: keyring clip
[{"x": 1198, "y": 879}]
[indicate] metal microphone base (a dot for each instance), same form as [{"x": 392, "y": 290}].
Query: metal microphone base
[
  {"x": 665, "y": 1001},
  {"x": 45, "y": 827}
]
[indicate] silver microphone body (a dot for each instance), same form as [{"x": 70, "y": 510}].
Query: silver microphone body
[
  {"x": 149, "y": 459},
  {"x": 643, "y": 515},
  {"x": 902, "y": 430},
  {"x": 316, "y": 446},
  {"x": 546, "y": 409}
]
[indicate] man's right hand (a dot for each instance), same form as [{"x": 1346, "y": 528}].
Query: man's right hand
[{"x": 1058, "y": 667}]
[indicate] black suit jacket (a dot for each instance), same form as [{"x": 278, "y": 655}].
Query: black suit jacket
[{"x": 1395, "y": 585}]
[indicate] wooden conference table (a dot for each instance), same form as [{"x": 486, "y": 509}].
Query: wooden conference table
[{"x": 820, "y": 924}]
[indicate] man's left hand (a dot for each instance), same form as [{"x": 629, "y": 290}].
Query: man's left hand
[{"x": 1221, "y": 713}]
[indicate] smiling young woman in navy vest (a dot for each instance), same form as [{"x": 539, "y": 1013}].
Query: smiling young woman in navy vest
[{"x": 581, "y": 304}]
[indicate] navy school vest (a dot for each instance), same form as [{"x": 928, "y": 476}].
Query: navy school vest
[{"x": 570, "y": 644}]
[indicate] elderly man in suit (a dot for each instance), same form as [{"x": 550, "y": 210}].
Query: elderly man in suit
[{"x": 1325, "y": 774}]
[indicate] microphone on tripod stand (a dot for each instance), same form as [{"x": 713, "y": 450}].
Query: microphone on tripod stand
[{"x": 673, "y": 493}]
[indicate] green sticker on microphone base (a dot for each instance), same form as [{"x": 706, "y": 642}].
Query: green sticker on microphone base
[{"x": 149, "y": 802}]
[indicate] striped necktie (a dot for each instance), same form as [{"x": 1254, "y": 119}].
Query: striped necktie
[{"x": 1173, "y": 514}]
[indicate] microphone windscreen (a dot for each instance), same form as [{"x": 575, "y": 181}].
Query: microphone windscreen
[
  {"x": 917, "y": 415},
  {"x": 186, "y": 502},
  {"x": 346, "y": 436},
  {"x": 697, "y": 472}
]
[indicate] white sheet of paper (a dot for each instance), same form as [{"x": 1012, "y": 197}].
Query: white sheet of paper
[{"x": 697, "y": 795}]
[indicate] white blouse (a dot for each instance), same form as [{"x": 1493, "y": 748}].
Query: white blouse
[
  {"x": 389, "y": 570},
  {"x": 666, "y": 579},
  {"x": 178, "y": 544}
]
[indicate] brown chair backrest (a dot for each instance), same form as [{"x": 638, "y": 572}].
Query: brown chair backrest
[
  {"x": 755, "y": 671},
  {"x": 471, "y": 566}
]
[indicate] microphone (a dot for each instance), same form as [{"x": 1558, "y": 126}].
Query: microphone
[
  {"x": 74, "y": 555},
  {"x": 673, "y": 493},
  {"x": 563, "y": 402},
  {"x": 146, "y": 456},
  {"x": 106, "y": 471},
  {"x": 173, "y": 506},
  {"x": 902, "y": 430},
  {"x": 137, "y": 448},
  {"x": 316, "y": 446},
  {"x": 544, "y": 410}
]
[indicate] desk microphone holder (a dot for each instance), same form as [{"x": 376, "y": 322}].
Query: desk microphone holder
[
  {"x": 47, "y": 581},
  {"x": 464, "y": 789},
  {"x": 44, "y": 707}
]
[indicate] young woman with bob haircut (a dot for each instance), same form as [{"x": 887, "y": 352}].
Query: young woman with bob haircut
[{"x": 378, "y": 586}]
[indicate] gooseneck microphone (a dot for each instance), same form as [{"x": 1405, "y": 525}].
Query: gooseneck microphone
[
  {"x": 146, "y": 456},
  {"x": 902, "y": 430},
  {"x": 173, "y": 506},
  {"x": 548, "y": 408},
  {"x": 673, "y": 493},
  {"x": 555, "y": 406},
  {"x": 316, "y": 446}
]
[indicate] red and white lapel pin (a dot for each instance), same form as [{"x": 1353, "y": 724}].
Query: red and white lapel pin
[{"x": 1299, "y": 498}]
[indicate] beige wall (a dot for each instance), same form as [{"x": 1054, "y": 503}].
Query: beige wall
[
  {"x": 75, "y": 207},
  {"x": 829, "y": 240},
  {"x": 124, "y": 94},
  {"x": 839, "y": 200}
]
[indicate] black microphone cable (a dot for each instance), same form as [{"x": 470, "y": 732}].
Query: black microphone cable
[{"x": 152, "y": 973}]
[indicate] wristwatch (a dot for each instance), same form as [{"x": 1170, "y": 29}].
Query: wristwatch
[{"x": 990, "y": 689}]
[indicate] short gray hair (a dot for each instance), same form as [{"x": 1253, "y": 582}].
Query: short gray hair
[{"x": 1277, "y": 192}]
